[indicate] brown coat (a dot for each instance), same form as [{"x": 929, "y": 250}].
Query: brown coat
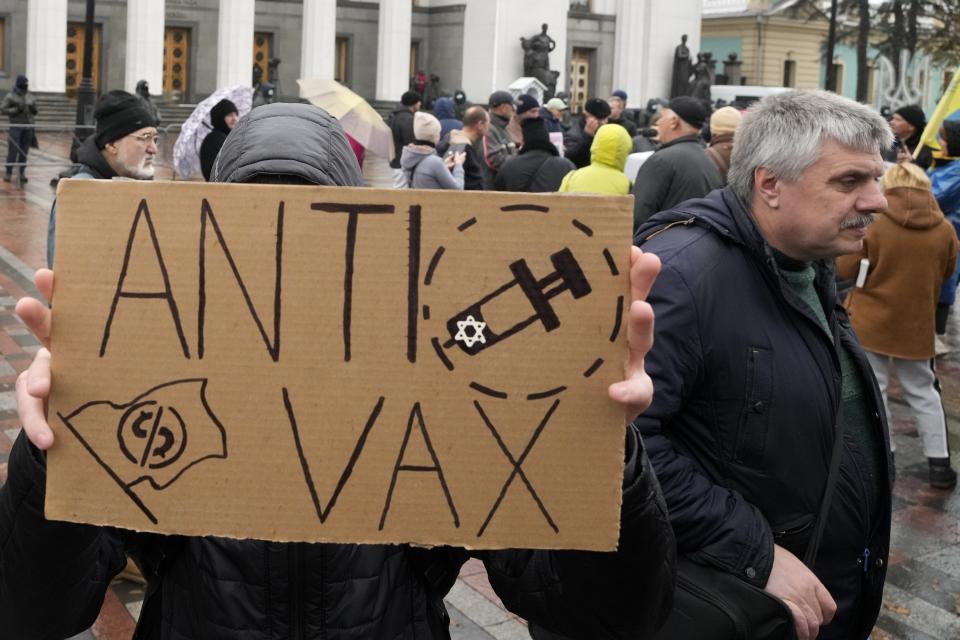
[
  {"x": 912, "y": 249},
  {"x": 721, "y": 146}
]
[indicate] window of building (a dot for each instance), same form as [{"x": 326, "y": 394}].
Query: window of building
[
  {"x": 414, "y": 58},
  {"x": 579, "y": 78},
  {"x": 262, "y": 52},
  {"x": 76, "y": 34},
  {"x": 838, "y": 77},
  {"x": 176, "y": 60},
  {"x": 343, "y": 59},
  {"x": 581, "y": 5},
  {"x": 789, "y": 73}
]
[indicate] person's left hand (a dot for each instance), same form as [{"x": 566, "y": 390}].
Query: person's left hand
[{"x": 635, "y": 391}]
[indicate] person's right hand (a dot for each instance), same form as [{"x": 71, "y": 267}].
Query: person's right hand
[
  {"x": 591, "y": 125},
  {"x": 459, "y": 158},
  {"x": 809, "y": 601},
  {"x": 33, "y": 385}
]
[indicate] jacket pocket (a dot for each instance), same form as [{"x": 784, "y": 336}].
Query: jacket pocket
[
  {"x": 755, "y": 414},
  {"x": 794, "y": 535}
]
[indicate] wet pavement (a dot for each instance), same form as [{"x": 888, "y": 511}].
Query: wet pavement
[{"x": 922, "y": 596}]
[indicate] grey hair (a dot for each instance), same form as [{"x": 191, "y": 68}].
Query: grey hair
[{"x": 785, "y": 132}]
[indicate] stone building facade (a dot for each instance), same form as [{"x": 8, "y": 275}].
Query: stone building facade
[{"x": 185, "y": 49}]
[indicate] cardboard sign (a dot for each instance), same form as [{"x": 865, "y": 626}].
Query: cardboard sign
[{"x": 333, "y": 364}]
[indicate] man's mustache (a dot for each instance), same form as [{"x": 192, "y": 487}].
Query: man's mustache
[{"x": 857, "y": 221}]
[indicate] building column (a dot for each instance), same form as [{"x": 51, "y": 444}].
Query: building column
[
  {"x": 144, "y": 52},
  {"x": 630, "y": 49},
  {"x": 647, "y": 35},
  {"x": 393, "y": 49},
  {"x": 46, "y": 66},
  {"x": 319, "y": 45},
  {"x": 235, "y": 43}
]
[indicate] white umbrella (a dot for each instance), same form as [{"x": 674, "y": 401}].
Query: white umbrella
[
  {"x": 355, "y": 114},
  {"x": 186, "y": 150}
]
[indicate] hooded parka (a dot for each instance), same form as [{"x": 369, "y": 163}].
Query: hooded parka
[
  {"x": 53, "y": 575},
  {"x": 912, "y": 250},
  {"x": 604, "y": 175}
]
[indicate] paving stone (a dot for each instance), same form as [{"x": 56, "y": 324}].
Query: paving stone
[{"x": 8, "y": 401}]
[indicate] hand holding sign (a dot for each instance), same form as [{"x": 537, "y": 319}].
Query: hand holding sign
[
  {"x": 240, "y": 287},
  {"x": 33, "y": 385},
  {"x": 635, "y": 392}
]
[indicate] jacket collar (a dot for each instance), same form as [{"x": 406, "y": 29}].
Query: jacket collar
[
  {"x": 93, "y": 159},
  {"x": 667, "y": 145},
  {"x": 723, "y": 213}
]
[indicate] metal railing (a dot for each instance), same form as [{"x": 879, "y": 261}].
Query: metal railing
[{"x": 54, "y": 142}]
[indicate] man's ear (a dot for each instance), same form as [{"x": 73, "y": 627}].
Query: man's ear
[{"x": 767, "y": 187}]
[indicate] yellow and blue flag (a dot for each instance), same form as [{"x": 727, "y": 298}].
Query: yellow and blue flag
[{"x": 947, "y": 109}]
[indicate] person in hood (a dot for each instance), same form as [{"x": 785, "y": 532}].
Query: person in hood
[
  {"x": 760, "y": 381},
  {"x": 143, "y": 92},
  {"x": 21, "y": 107},
  {"x": 419, "y": 160},
  {"x": 608, "y": 156},
  {"x": 445, "y": 111},
  {"x": 723, "y": 124},
  {"x": 908, "y": 123},
  {"x": 911, "y": 250},
  {"x": 460, "y": 103},
  {"x": 53, "y": 575},
  {"x": 679, "y": 169},
  {"x": 223, "y": 117},
  {"x": 538, "y": 168},
  {"x": 945, "y": 184},
  {"x": 401, "y": 124},
  {"x": 123, "y": 145}
]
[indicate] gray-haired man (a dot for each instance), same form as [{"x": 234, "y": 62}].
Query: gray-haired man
[{"x": 757, "y": 372}]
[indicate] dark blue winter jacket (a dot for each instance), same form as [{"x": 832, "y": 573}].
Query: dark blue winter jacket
[
  {"x": 445, "y": 111},
  {"x": 742, "y": 426}
]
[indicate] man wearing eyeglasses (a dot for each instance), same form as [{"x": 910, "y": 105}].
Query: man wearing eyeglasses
[{"x": 123, "y": 145}]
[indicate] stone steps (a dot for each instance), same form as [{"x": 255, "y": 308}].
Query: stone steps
[{"x": 58, "y": 109}]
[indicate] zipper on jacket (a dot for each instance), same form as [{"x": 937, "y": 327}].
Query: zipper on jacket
[
  {"x": 866, "y": 559},
  {"x": 686, "y": 222},
  {"x": 295, "y": 571}
]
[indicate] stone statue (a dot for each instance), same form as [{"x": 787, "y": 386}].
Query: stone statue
[
  {"x": 536, "y": 60},
  {"x": 702, "y": 77},
  {"x": 680, "y": 85},
  {"x": 731, "y": 69}
]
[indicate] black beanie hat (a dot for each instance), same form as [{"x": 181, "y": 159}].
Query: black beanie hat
[
  {"x": 913, "y": 114},
  {"x": 409, "y": 98},
  {"x": 119, "y": 113},
  {"x": 535, "y": 136},
  {"x": 597, "y": 108},
  {"x": 220, "y": 111},
  {"x": 690, "y": 110}
]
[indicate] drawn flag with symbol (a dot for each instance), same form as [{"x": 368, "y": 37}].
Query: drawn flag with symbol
[{"x": 154, "y": 438}]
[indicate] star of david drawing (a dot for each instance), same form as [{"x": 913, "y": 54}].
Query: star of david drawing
[{"x": 475, "y": 334}]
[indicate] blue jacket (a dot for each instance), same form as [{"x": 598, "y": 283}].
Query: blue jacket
[
  {"x": 742, "y": 425},
  {"x": 946, "y": 189},
  {"x": 445, "y": 111}
]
